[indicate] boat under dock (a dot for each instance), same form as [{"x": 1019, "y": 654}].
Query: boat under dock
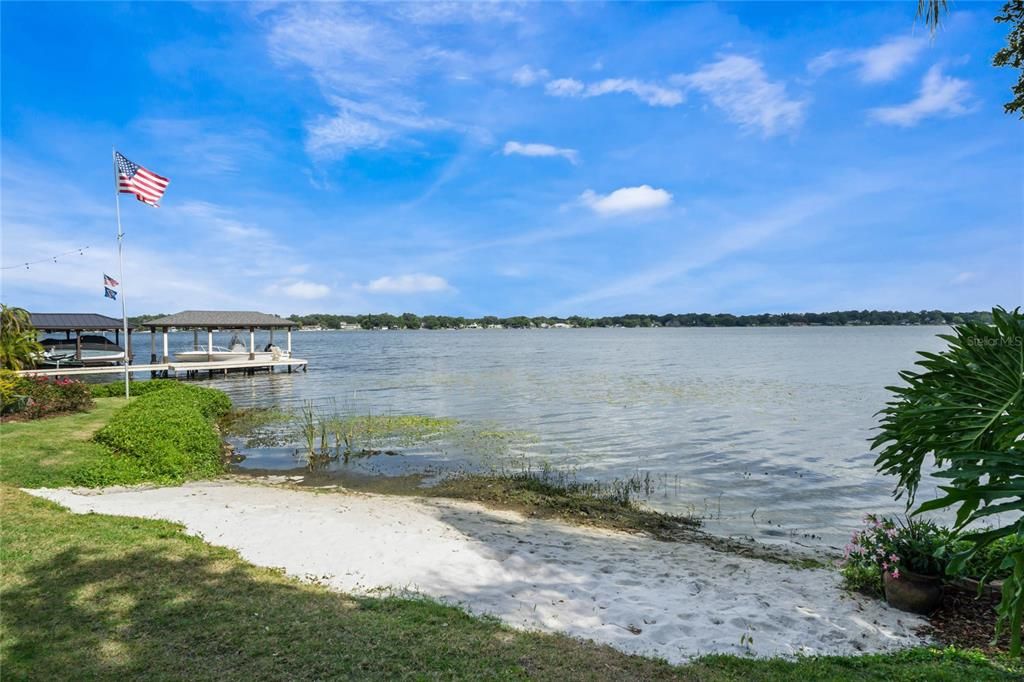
[{"x": 178, "y": 369}]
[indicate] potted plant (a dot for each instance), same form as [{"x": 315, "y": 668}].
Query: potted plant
[{"x": 909, "y": 556}]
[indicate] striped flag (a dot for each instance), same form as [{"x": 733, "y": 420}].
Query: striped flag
[
  {"x": 109, "y": 293},
  {"x": 146, "y": 185},
  {"x": 109, "y": 281}
]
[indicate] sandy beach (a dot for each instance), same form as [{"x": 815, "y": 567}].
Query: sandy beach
[{"x": 671, "y": 600}]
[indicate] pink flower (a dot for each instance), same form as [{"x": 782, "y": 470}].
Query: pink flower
[
  {"x": 893, "y": 558},
  {"x": 896, "y": 574}
]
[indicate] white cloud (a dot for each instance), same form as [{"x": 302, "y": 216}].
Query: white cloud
[
  {"x": 938, "y": 95},
  {"x": 650, "y": 93},
  {"x": 564, "y": 87},
  {"x": 963, "y": 278},
  {"x": 306, "y": 291},
  {"x": 626, "y": 200},
  {"x": 739, "y": 86},
  {"x": 453, "y": 12},
  {"x": 221, "y": 223},
  {"x": 406, "y": 284},
  {"x": 876, "y": 64},
  {"x": 365, "y": 65},
  {"x": 826, "y": 61},
  {"x": 655, "y": 95},
  {"x": 537, "y": 149},
  {"x": 883, "y": 62},
  {"x": 328, "y": 136},
  {"x": 526, "y": 75},
  {"x": 212, "y": 147}
]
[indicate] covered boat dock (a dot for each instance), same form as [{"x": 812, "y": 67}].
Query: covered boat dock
[
  {"x": 57, "y": 323},
  {"x": 165, "y": 364},
  {"x": 211, "y": 320}
]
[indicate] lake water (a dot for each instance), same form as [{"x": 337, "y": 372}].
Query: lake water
[{"x": 763, "y": 431}]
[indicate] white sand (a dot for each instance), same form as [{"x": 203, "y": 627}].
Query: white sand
[{"x": 680, "y": 599}]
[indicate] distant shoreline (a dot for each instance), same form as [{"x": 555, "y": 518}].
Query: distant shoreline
[
  {"x": 500, "y": 328},
  {"x": 844, "y": 318}
]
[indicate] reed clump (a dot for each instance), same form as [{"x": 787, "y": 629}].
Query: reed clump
[
  {"x": 554, "y": 493},
  {"x": 328, "y": 436}
]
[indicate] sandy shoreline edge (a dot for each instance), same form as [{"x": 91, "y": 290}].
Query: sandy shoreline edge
[{"x": 674, "y": 600}]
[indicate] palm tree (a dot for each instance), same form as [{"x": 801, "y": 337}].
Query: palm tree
[
  {"x": 18, "y": 345},
  {"x": 931, "y": 11}
]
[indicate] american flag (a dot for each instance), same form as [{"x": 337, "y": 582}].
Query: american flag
[
  {"x": 109, "y": 281},
  {"x": 146, "y": 185}
]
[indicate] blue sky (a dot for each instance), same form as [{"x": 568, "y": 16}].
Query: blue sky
[{"x": 512, "y": 158}]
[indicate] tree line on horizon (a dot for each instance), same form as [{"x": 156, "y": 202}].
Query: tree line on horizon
[{"x": 837, "y": 318}]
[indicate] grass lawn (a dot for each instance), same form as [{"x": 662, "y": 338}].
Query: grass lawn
[
  {"x": 100, "y": 597},
  {"x": 46, "y": 452}
]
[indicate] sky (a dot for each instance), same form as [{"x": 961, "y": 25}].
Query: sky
[{"x": 505, "y": 159}]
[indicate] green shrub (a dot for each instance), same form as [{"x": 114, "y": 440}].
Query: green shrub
[
  {"x": 990, "y": 562},
  {"x": 115, "y": 389},
  {"x": 859, "y": 577},
  {"x": 166, "y": 435},
  {"x": 47, "y": 397},
  {"x": 11, "y": 386},
  {"x": 897, "y": 546},
  {"x": 964, "y": 410}
]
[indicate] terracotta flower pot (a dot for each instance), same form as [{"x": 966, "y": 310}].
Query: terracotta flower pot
[{"x": 913, "y": 592}]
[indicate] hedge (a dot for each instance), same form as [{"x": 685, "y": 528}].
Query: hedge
[
  {"x": 166, "y": 435},
  {"x": 138, "y": 388},
  {"x": 34, "y": 397}
]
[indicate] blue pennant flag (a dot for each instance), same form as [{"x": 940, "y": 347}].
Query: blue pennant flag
[{"x": 109, "y": 293}]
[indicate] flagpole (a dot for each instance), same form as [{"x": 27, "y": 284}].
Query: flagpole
[{"x": 120, "y": 270}]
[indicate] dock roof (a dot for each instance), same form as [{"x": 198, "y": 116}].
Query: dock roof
[
  {"x": 61, "y": 322},
  {"x": 224, "y": 319}
]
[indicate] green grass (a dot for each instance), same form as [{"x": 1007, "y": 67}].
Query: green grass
[
  {"x": 98, "y": 597},
  {"x": 50, "y": 453},
  {"x": 88, "y": 597},
  {"x": 164, "y": 437}
]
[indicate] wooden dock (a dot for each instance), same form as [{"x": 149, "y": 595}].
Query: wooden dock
[{"x": 175, "y": 369}]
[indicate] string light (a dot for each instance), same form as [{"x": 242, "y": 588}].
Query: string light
[{"x": 26, "y": 264}]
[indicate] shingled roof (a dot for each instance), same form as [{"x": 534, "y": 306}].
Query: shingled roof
[
  {"x": 61, "y": 322},
  {"x": 224, "y": 319}
]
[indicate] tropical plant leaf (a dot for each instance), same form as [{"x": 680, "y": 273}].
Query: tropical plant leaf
[{"x": 965, "y": 410}]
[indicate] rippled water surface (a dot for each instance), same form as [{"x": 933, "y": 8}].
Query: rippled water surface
[{"x": 764, "y": 430}]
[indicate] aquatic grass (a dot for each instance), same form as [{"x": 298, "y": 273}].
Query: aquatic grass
[
  {"x": 490, "y": 442},
  {"x": 555, "y": 493},
  {"x": 308, "y": 422},
  {"x": 246, "y": 421},
  {"x": 363, "y": 435}
]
